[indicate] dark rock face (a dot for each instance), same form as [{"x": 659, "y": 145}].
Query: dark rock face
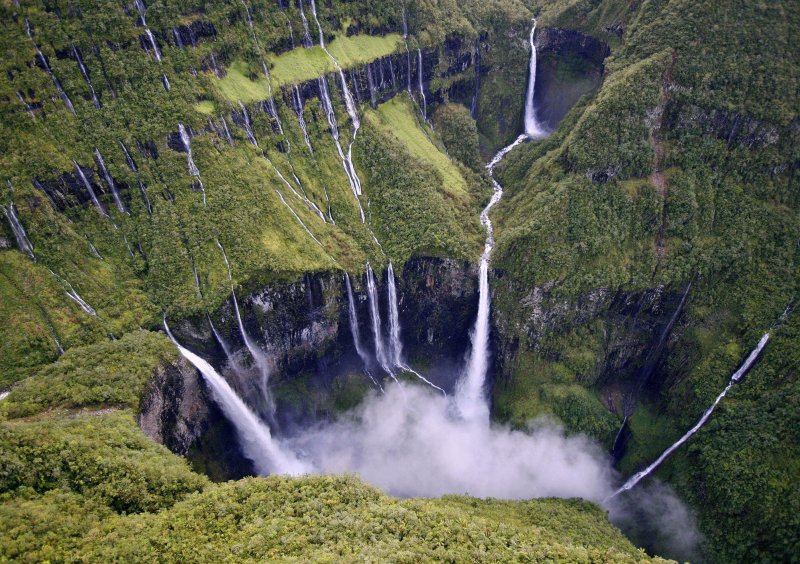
[
  {"x": 735, "y": 129},
  {"x": 303, "y": 329},
  {"x": 569, "y": 65}
]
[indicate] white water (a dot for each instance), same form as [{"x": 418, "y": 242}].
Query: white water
[
  {"x": 302, "y": 224},
  {"x": 533, "y": 128},
  {"x": 297, "y": 102},
  {"x": 110, "y": 182},
  {"x": 742, "y": 370},
  {"x": 375, "y": 316},
  {"x": 307, "y": 42},
  {"x": 352, "y": 111},
  {"x": 23, "y": 242},
  {"x": 53, "y": 77},
  {"x": 421, "y": 88},
  {"x": 73, "y": 295},
  {"x": 89, "y": 189},
  {"x": 396, "y": 345},
  {"x": 165, "y": 82},
  {"x": 470, "y": 393},
  {"x": 259, "y": 359},
  {"x": 27, "y": 106},
  {"x": 227, "y": 130},
  {"x": 354, "y": 330},
  {"x": 143, "y": 190},
  {"x": 268, "y": 456},
  {"x": 85, "y": 74},
  {"x": 128, "y": 159},
  {"x": 193, "y": 170},
  {"x": 141, "y": 8},
  {"x": 352, "y": 177}
]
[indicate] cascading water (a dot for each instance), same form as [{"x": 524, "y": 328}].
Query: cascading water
[
  {"x": 421, "y": 87},
  {"x": 297, "y": 103},
  {"x": 128, "y": 159},
  {"x": 256, "y": 440},
  {"x": 43, "y": 62},
  {"x": 259, "y": 359},
  {"x": 225, "y": 348},
  {"x": 374, "y": 312},
  {"x": 73, "y": 295},
  {"x": 143, "y": 191},
  {"x": 470, "y": 394},
  {"x": 140, "y": 7},
  {"x": 373, "y": 96},
  {"x": 302, "y": 223},
  {"x": 354, "y": 330},
  {"x": 533, "y": 128},
  {"x": 395, "y": 342},
  {"x": 85, "y": 74},
  {"x": 193, "y": 170},
  {"x": 109, "y": 182},
  {"x": 89, "y": 189},
  {"x": 352, "y": 177},
  {"x": 227, "y": 130},
  {"x": 307, "y": 42},
  {"x": 351, "y": 111},
  {"x": 474, "y": 106},
  {"x": 742, "y": 370},
  {"x": 396, "y": 347},
  {"x": 23, "y": 243},
  {"x": 408, "y": 52}
]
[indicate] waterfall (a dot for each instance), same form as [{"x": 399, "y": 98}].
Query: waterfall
[
  {"x": 226, "y": 129},
  {"x": 302, "y": 224},
  {"x": 141, "y": 9},
  {"x": 255, "y": 437},
  {"x": 225, "y": 348},
  {"x": 259, "y": 359},
  {"x": 421, "y": 88},
  {"x": 306, "y": 34},
  {"x": 327, "y": 106},
  {"x": 372, "y": 294},
  {"x": 741, "y": 371},
  {"x": 533, "y": 128},
  {"x": 470, "y": 395},
  {"x": 297, "y": 103},
  {"x": 43, "y": 61},
  {"x": 373, "y": 97},
  {"x": 89, "y": 189},
  {"x": 128, "y": 159},
  {"x": 193, "y": 170},
  {"x": 23, "y": 243},
  {"x": 73, "y": 295},
  {"x": 85, "y": 74},
  {"x": 396, "y": 343},
  {"x": 354, "y": 330},
  {"x": 165, "y": 82},
  {"x": 394, "y": 320},
  {"x": 109, "y": 181},
  {"x": 146, "y": 200},
  {"x": 248, "y": 128},
  {"x": 351, "y": 111},
  {"x": 474, "y": 106}
]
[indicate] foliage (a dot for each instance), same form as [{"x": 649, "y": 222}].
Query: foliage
[
  {"x": 459, "y": 134},
  {"x": 105, "y": 373}
]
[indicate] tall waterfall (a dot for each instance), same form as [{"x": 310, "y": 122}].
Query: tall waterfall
[
  {"x": 85, "y": 74},
  {"x": 374, "y": 312},
  {"x": 421, "y": 88},
  {"x": 43, "y": 61},
  {"x": 23, "y": 243},
  {"x": 533, "y": 128},
  {"x": 297, "y": 104},
  {"x": 742, "y": 370},
  {"x": 89, "y": 189},
  {"x": 193, "y": 170},
  {"x": 470, "y": 394},
  {"x": 256, "y": 440},
  {"x": 394, "y": 319},
  {"x": 109, "y": 181},
  {"x": 259, "y": 359},
  {"x": 408, "y": 53},
  {"x": 354, "y": 330}
]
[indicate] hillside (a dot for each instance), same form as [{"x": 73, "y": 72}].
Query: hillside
[{"x": 296, "y": 190}]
